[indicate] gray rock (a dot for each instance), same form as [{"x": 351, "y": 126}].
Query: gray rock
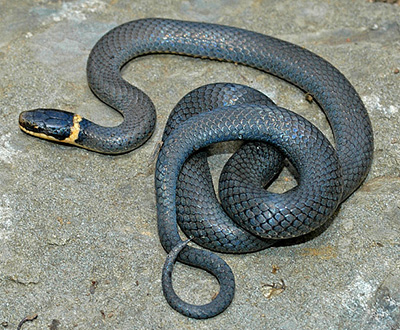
[{"x": 78, "y": 236}]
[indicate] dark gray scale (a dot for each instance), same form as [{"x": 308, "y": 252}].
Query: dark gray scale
[{"x": 199, "y": 214}]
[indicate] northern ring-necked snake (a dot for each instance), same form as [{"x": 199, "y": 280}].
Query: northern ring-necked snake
[{"x": 326, "y": 176}]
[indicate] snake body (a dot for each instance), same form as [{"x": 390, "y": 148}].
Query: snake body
[
  {"x": 199, "y": 214},
  {"x": 327, "y": 176}
]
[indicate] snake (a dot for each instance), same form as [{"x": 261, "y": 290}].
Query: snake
[{"x": 327, "y": 174}]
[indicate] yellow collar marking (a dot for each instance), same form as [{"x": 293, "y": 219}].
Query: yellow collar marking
[{"x": 74, "y": 130}]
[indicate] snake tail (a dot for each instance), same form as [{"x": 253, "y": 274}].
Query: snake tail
[{"x": 218, "y": 268}]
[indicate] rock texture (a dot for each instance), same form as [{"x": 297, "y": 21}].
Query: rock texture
[{"x": 78, "y": 236}]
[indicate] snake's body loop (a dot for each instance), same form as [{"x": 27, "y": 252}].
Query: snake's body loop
[{"x": 326, "y": 176}]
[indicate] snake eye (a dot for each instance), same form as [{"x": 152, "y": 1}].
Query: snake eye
[{"x": 47, "y": 123}]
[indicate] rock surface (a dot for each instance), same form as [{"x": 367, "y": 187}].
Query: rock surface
[{"x": 78, "y": 236}]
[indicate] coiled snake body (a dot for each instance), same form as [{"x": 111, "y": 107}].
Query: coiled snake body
[{"x": 326, "y": 176}]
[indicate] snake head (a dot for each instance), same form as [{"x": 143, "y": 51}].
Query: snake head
[{"x": 51, "y": 124}]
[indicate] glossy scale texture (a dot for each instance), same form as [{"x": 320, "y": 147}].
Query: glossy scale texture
[
  {"x": 341, "y": 103},
  {"x": 199, "y": 214}
]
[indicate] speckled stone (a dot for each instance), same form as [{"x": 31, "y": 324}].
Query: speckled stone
[{"x": 78, "y": 234}]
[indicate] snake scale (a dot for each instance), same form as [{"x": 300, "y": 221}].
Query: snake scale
[{"x": 326, "y": 175}]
